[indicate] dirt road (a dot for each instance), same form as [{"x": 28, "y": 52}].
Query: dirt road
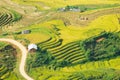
[{"x": 23, "y": 58}]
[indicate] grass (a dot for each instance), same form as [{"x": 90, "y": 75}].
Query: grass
[
  {"x": 40, "y": 34},
  {"x": 41, "y": 31},
  {"x": 37, "y": 37},
  {"x": 43, "y": 73},
  {"x": 12, "y": 77}
]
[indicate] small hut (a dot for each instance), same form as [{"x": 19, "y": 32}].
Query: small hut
[
  {"x": 32, "y": 47},
  {"x": 26, "y": 31}
]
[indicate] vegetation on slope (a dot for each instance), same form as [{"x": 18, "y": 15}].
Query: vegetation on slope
[
  {"x": 7, "y": 60},
  {"x": 17, "y": 16},
  {"x": 97, "y": 48},
  {"x": 103, "y": 46},
  {"x": 97, "y": 74},
  {"x": 109, "y": 23},
  {"x": 106, "y": 45},
  {"x": 64, "y": 46},
  {"x": 41, "y": 59}
]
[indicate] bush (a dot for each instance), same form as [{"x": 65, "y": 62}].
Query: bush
[
  {"x": 4, "y": 34},
  {"x": 106, "y": 48},
  {"x": 16, "y": 15},
  {"x": 19, "y": 32},
  {"x": 39, "y": 59},
  {"x": 7, "y": 59}
]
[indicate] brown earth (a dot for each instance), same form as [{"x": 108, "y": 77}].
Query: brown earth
[{"x": 75, "y": 18}]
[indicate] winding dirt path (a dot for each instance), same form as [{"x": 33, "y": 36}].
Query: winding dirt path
[{"x": 23, "y": 58}]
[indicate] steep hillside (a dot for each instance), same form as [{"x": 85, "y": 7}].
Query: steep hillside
[{"x": 75, "y": 39}]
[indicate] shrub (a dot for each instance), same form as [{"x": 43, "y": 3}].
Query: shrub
[
  {"x": 16, "y": 15},
  {"x": 106, "y": 48}
]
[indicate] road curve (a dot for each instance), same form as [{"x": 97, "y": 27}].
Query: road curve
[{"x": 23, "y": 57}]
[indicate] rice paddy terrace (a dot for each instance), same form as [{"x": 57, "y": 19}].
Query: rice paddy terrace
[
  {"x": 71, "y": 45},
  {"x": 7, "y": 17}
]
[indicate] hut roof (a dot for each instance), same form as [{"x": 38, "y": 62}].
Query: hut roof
[{"x": 32, "y": 46}]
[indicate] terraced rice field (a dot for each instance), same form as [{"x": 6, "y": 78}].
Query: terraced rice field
[
  {"x": 61, "y": 3},
  {"x": 68, "y": 48},
  {"x": 5, "y": 18},
  {"x": 113, "y": 63},
  {"x": 70, "y": 52},
  {"x": 58, "y": 36},
  {"x": 103, "y": 23},
  {"x": 74, "y": 18}
]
